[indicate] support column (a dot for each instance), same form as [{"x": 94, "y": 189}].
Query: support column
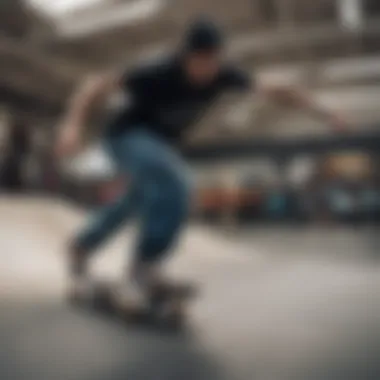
[
  {"x": 18, "y": 146},
  {"x": 350, "y": 13}
]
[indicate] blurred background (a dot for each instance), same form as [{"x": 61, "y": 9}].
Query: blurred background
[
  {"x": 273, "y": 164},
  {"x": 271, "y": 183}
]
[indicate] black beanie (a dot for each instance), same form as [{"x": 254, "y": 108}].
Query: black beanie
[{"x": 203, "y": 35}]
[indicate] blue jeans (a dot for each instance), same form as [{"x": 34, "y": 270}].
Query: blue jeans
[{"x": 158, "y": 193}]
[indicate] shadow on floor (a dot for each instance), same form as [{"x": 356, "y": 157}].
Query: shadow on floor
[{"x": 44, "y": 340}]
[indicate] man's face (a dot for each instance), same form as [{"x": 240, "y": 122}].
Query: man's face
[{"x": 202, "y": 67}]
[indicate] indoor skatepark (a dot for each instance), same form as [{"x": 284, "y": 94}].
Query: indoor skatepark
[
  {"x": 274, "y": 305},
  {"x": 277, "y": 303}
]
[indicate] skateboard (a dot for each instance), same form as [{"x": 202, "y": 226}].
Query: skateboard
[{"x": 164, "y": 308}]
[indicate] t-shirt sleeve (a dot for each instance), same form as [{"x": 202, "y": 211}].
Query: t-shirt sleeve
[
  {"x": 235, "y": 79},
  {"x": 136, "y": 81}
]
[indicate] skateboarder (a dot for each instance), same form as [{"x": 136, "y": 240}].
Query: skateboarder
[{"x": 165, "y": 98}]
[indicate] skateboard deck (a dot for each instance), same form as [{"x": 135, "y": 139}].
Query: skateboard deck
[{"x": 165, "y": 308}]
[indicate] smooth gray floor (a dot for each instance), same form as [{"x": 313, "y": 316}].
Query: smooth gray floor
[{"x": 276, "y": 305}]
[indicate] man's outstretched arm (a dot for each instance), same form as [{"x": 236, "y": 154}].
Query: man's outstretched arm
[
  {"x": 93, "y": 91},
  {"x": 295, "y": 97}
]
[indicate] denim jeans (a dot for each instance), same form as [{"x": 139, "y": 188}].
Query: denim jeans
[{"x": 158, "y": 194}]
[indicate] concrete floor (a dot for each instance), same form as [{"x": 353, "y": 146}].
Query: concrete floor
[{"x": 277, "y": 304}]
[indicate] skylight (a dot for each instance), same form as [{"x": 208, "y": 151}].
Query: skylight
[
  {"x": 58, "y": 8},
  {"x": 74, "y": 18}
]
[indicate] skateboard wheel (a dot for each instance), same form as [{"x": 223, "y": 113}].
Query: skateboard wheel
[
  {"x": 182, "y": 291},
  {"x": 101, "y": 298},
  {"x": 173, "y": 321},
  {"x": 73, "y": 298},
  {"x": 170, "y": 314}
]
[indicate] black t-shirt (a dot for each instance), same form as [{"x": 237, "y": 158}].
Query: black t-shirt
[{"x": 163, "y": 101}]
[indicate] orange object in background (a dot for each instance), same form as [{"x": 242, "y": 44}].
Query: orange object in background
[
  {"x": 206, "y": 200},
  {"x": 211, "y": 199},
  {"x": 112, "y": 190},
  {"x": 217, "y": 199},
  {"x": 247, "y": 198},
  {"x": 349, "y": 165}
]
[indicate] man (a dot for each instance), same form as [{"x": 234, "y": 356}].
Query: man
[{"x": 166, "y": 98}]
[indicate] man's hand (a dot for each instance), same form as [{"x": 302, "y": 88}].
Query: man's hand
[
  {"x": 91, "y": 92},
  {"x": 338, "y": 122},
  {"x": 292, "y": 96},
  {"x": 68, "y": 142}
]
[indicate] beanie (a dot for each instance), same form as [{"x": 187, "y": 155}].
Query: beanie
[{"x": 203, "y": 35}]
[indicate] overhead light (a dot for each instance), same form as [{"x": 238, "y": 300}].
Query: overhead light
[
  {"x": 58, "y": 8},
  {"x": 110, "y": 17}
]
